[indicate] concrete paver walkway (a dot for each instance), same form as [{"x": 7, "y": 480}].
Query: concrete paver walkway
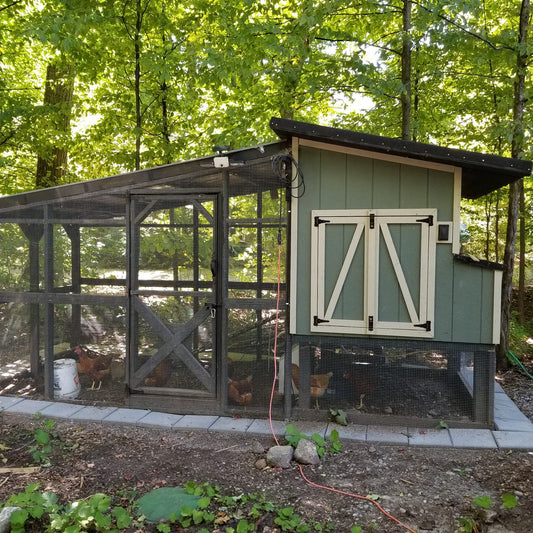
[{"x": 513, "y": 430}]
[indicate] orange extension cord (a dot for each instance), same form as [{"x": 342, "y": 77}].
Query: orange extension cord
[{"x": 357, "y": 496}]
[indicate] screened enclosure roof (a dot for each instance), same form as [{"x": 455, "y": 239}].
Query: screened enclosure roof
[
  {"x": 102, "y": 200},
  {"x": 482, "y": 173}
]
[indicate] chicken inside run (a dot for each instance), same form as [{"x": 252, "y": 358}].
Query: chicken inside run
[{"x": 383, "y": 381}]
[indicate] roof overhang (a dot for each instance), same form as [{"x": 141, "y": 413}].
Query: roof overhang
[{"x": 481, "y": 173}]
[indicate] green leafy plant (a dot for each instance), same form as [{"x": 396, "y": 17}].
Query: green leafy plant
[
  {"x": 338, "y": 416},
  {"x": 288, "y": 520},
  {"x": 470, "y": 523},
  {"x": 293, "y": 437},
  {"x": 44, "y": 438},
  {"x": 335, "y": 444},
  {"x": 509, "y": 501},
  {"x": 41, "y": 511},
  {"x": 33, "y": 506}
]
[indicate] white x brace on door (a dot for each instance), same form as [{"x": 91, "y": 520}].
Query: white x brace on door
[{"x": 373, "y": 272}]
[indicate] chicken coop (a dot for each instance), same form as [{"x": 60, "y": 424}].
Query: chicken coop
[
  {"x": 329, "y": 261},
  {"x": 387, "y": 317}
]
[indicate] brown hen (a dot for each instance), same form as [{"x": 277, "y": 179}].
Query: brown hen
[
  {"x": 160, "y": 375},
  {"x": 240, "y": 391},
  {"x": 318, "y": 383},
  {"x": 94, "y": 364}
]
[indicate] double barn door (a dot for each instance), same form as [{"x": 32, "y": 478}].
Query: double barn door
[{"x": 373, "y": 272}]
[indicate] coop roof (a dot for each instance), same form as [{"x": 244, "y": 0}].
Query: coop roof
[
  {"x": 103, "y": 199},
  {"x": 482, "y": 173}
]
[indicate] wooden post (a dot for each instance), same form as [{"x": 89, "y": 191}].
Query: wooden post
[
  {"x": 34, "y": 233},
  {"x": 220, "y": 346},
  {"x": 73, "y": 232},
  {"x": 259, "y": 274},
  {"x": 304, "y": 376},
  {"x": 48, "y": 307}
]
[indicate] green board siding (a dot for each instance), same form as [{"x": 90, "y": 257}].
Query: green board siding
[
  {"x": 444, "y": 293},
  {"x": 333, "y": 180},
  {"x": 358, "y": 175},
  {"x": 440, "y": 193},
  {"x": 463, "y": 300},
  {"x": 473, "y": 290}
]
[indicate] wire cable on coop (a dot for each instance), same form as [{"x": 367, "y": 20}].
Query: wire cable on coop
[{"x": 282, "y": 165}]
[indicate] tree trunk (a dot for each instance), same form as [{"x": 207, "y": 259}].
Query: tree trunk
[
  {"x": 165, "y": 133},
  {"x": 58, "y": 92},
  {"x": 515, "y": 187},
  {"x": 138, "y": 117},
  {"x": 497, "y": 228},
  {"x": 406, "y": 70},
  {"x": 522, "y": 257}
]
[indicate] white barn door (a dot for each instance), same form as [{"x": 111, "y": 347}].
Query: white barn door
[{"x": 373, "y": 272}]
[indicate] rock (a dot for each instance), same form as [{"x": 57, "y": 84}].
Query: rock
[
  {"x": 388, "y": 410},
  {"x": 488, "y": 515},
  {"x": 306, "y": 453},
  {"x": 498, "y": 528},
  {"x": 257, "y": 448},
  {"x": 427, "y": 525},
  {"x": 5, "y": 516},
  {"x": 260, "y": 464},
  {"x": 280, "y": 456}
]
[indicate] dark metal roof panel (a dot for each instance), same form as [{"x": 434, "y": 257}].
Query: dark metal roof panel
[{"x": 482, "y": 173}]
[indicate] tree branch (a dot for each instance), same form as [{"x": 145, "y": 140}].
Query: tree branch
[
  {"x": 14, "y": 3},
  {"x": 462, "y": 28}
]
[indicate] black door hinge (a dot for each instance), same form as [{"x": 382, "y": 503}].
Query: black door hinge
[
  {"x": 428, "y": 220},
  {"x": 425, "y": 325},
  {"x": 370, "y": 323},
  {"x": 372, "y": 220},
  {"x": 317, "y": 321},
  {"x": 319, "y": 221}
]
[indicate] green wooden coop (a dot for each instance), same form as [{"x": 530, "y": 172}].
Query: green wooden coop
[{"x": 381, "y": 295}]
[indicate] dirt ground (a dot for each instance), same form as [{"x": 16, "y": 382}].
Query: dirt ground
[{"x": 427, "y": 489}]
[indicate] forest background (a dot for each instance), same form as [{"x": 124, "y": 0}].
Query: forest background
[{"x": 91, "y": 88}]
